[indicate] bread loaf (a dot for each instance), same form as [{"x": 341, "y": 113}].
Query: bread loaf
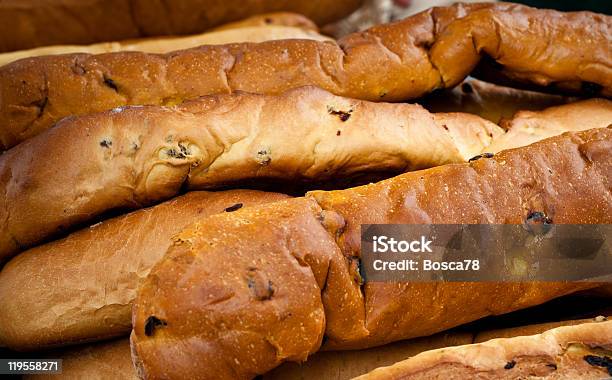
[
  {"x": 81, "y": 288},
  {"x": 26, "y": 24},
  {"x": 393, "y": 62},
  {"x": 252, "y": 31},
  {"x": 128, "y": 158},
  {"x": 112, "y": 359},
  {"x": 294, "y": 276},
  {"x": 490, "y": 101},
  {"x": 565, "y": 353}
]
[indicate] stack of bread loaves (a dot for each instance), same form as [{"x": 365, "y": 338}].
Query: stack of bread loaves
[{"x": 205, "y": 193}]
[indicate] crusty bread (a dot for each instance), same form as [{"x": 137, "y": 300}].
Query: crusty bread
[
  {"x": 131, "y": 157},
  {"x": 81, "y": 288},
  {"x": 490, "y": 101},
  {"x": 565, "y": 353},
  {"x": 112, "y": 359},
  {"x": 393, "y": 62},
  {"x": 294, "y": 274},
  {"x": 26, "y": 24},
  {"x": 527, "y": 127},
  {"x": 226, "y": 35}
]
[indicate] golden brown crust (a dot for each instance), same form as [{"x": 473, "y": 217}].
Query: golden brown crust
[
  {"x": 89, "y": 279},
  {"x": 563, "y": 353},
  {"x": 127, "y": 158},
  {"x": 226, "y": 35},
  {"x": 294, "y": 275},
  {"x": 26, "y": 24},
  {"x": 391, "y": 62}
]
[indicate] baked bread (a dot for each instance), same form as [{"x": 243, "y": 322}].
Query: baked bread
[
  {"x": 112, "y": 359},
  {"x": 132, "y": 157},
  {"x": 279, "y": 26},
  {"x": 582, "y": 351},
  {"x": 490, "y": 101},
  {"x": 392, "y": 62},
  {"x": 527, "y": 127},
  {"x": 81, "y": 288},
  {"x": 26, "y": 24},
  {"x": 294, "y": 275}
]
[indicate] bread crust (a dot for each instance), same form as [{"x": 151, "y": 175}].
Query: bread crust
[
  {"x": 26, "y": 24},
  {"x": 560, "y": 353},
  {"x": 275, "y": 26},
  {"x": 392, "y": 62},
  {"x": 294, "y": 275},
  {"x": 132, "y": 157},
  {"x": 88, "y": 280},
  {"x": 112, "y": 359}
]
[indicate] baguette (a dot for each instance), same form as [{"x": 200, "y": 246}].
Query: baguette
[
  {"x": 112, "y": 359},
  {"x": 492, "y": 102},
  {"x": 167, "y": 44},
  {"x": 81, "y": 288},
  {"x": 127, "y": 158},
  {"x": 571, "y": 352},
  {"x": 294, "y": 274},
  {"x": 393, "y": 62},
  {"x": 26, "y": 24}
]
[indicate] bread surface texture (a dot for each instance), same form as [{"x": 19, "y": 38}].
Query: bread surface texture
[
  {"x": 569, "y": 352},
  {"x": 404, "y": 60},
  {"x": 81, "y": 288},
  {"x": 274, "y": 26},
  {"x": 132, "y": 157},
  {"x": 26, "y": 24},
  {"x": 294, "y": 277}
]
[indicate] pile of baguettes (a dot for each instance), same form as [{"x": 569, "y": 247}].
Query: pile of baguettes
[{"x": 106, "y": 230}]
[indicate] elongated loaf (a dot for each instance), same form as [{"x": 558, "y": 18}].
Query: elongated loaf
[
  {"x": 127, "y": 158},
  {"x": 255, "y": 30},
  {"x": 490, "y": 101},
  {"x": 26, "y": 24},
  {"x": 81, "y": 288},
  {"x": 393, "y": 62},
  {"x": 112, "y": 359},
  {"x": 294, "y": 276},
  {"x": 565, "y": 353}
]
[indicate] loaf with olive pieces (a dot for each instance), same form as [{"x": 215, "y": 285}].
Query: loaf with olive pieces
[
  {"x": 294, "y": 275},
  {"x": 112, "y": 359},
  {"x": 26, "y": 24},
  {"x": 582, "y": 351},
  {"x": 81, "y": 287},
  {"x": 434, "y": 49},
  {"x": 274, "y": 26},
  {"x": 132, "y": 157}
]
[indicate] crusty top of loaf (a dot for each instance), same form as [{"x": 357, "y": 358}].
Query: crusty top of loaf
[
  {"x": 393, "y": 62},
  {"x": 567, "y": 352},
  {"x": 295, "y": 276}
]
